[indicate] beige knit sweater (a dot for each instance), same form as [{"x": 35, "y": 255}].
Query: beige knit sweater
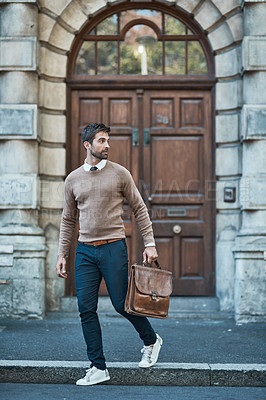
[{"x": 99, "y": 196}]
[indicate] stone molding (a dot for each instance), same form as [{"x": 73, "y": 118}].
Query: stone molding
[
  {"x": 18, "y": 191},
  {"x": 253, "y": 122},
  {"x": 18, "y": 53},
  {"x": 18, "y": 121},
  {"x": 253, "y": 192},
  {"x": 6, "y": 255},
  {"x": 254, "y": 53}
]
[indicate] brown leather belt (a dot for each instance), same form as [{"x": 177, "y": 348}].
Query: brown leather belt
[{"x": 101, "y": 242}]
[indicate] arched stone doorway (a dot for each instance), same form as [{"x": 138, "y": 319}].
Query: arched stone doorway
[
  {"x": 147, "y": 71},
  {"x": 59, "y": 25}
]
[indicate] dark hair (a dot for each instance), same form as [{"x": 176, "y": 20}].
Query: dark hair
[{"x": 89, "y": 132}]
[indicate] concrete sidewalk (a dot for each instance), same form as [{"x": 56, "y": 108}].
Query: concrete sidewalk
[{"x": 195, "y": 351}]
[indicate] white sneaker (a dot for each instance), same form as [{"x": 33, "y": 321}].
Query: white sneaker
[
  {"x": 151, "y": 353},
  {"x": 93, "y": 376}
]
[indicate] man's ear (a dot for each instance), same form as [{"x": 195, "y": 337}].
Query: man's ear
[{"x": 86, "y": 145}]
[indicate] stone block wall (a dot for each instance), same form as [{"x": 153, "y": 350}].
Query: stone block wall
[
  {"x": 22, "y": 273},
  {"x": 223, "y": 23},
  {"x": 35, "y": 40},
  {"x": 250, "y": 278},
  {"x": 56, "y": 36}
]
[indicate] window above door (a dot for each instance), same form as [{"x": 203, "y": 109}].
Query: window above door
[{"x": 141, "y": 42}]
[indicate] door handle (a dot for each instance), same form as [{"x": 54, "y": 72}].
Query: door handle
[
  {"x": 177, "y": 229},
  {"x": 135, "y": 137},
  {"x": 146, "y": 136}
]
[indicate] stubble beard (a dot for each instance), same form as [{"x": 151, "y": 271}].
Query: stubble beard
[{"x": 98, "y": 155}]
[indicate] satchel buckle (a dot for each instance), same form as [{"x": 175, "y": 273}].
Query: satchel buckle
[{"x": 153, "y": 296}]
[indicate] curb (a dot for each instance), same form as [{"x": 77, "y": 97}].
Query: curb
[{"x": 126, "y": 374}]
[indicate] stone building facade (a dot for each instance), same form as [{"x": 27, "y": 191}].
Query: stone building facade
[{"x": 36, "y": 38}]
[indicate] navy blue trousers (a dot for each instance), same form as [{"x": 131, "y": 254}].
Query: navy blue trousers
[{"x": 109, "y": 261}]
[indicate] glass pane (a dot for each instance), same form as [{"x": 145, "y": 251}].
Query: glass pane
[
  {"x": 151, "y": 15},
  {"x": 130, "y": 60},
  {"x": 189, "y": 32},
  {"x": 92, "y": 32},
  {"x": 175, "y": 58},
  {"x": 196, "y": 59},
  {"x": 107, "y": 58},
  {"x": 85, "y": 64},
  {"x": 108, "y": 26},
  {"x": 173, "y": 26},
  {"x": 141, "y": 53}
]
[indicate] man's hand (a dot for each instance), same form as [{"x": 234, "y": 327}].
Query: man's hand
[
  {"x": 149, "y": 254},
  {"x": 61, "y": 267}
]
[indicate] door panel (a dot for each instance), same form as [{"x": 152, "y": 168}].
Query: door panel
[
  {"x": 192, "y": 257},
  {"x": 90, "y": 110},
  {"x": 120, "y": 112},
  {"x": 164, "y": 138},
  {"x": 116, "y": 109},
  {"x": 192, "y": 111},
  {"x": 162, "y": 113},
  {"x": 184, "y": 171},
  {"x": 177, "y": 167}
]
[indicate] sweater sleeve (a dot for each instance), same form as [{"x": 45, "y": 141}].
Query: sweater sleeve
[
  {"x": 139, "y": 208},
  {"x": 68, "y": 220}
]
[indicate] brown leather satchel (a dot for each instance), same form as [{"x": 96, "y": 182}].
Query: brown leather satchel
[{"x": 148, "y": 291}]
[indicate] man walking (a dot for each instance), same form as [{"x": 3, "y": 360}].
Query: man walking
[{"x": 97, "y": 190}]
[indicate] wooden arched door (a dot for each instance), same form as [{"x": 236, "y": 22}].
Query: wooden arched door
[{"x": 161, "y": 130}]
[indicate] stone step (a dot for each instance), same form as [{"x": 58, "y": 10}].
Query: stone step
[
  {"x": 180, "y": 307},
  {"x": 162, "y": 374}
]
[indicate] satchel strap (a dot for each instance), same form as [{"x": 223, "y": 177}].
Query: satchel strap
[{"x": 156, "y": 263}]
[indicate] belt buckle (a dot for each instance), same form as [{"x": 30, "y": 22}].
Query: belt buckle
[{"x": 100, "y": 242}]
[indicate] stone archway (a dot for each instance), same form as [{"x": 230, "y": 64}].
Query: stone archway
[{"x": 59, "y": 22}]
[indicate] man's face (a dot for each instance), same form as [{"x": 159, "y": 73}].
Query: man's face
[{"x": 100, "y": 146}]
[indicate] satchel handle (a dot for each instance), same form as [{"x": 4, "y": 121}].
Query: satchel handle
[{"x": 156, "y": 263}]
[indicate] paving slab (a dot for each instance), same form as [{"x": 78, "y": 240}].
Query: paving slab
[
  {"x": 185, "y": 341},
  {"x": 195, "y": 352}
]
